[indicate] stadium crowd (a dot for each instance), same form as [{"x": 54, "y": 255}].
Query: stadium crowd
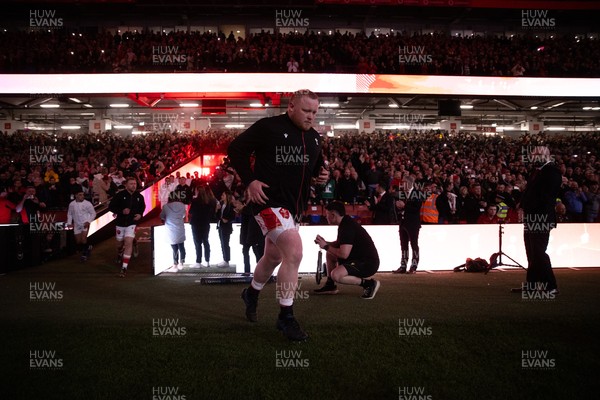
[
  {"x": 64, "y": 51},
  {"x": 54, "y": 166},
  {"x": 471, "y": 172}
]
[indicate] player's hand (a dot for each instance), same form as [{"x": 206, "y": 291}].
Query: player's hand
[
  {"x": 256, "y": 193},
  {"x": 137, "y": 217},
  {"x": 323, "y": 176},
  {"x": 86, "y": 225},
  {"x": 320, "y": 241},
  {"x": 400, "y": 204},
  {"x": 126, "y": 211}
]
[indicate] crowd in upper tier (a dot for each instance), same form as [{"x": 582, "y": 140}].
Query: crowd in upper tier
[
  {"x": 479, "y": 171},
  {"x": 64, "y": 51}
]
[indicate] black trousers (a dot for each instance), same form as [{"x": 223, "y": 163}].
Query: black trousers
[
  {"x": 409, "y": 234},
  {"x": 178, "y": 252},
  {"x": 258, "y": 250},
  {"x": 539, "y": 268},
  {"x": 225, "y": 236},
  {"x": 200, "y": 234}
]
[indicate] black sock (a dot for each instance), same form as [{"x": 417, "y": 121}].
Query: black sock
[
  {"x": 365, "y": 283},
  {"x": 253, "y": 292},
  {"x": 286, "y": 312},
  {"x": 329, "y": 282}
]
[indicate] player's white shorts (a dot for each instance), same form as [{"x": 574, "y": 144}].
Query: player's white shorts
[
  {"x": 274, "y": 221},
  {"x": 125, "y": 231},
  {"x": 79, "y": 228}
]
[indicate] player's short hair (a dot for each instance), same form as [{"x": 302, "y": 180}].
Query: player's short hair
[
  {"x": 303, "y": 92},
  {"x": 337, "y": 206}
]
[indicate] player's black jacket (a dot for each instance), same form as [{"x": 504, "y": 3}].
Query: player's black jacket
[
  {"x": 286, "y": 159},
  {"x": 539, "y": 197},
  {"x": 122, "y": 200}
]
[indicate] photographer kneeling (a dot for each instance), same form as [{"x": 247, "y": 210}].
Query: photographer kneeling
[{"x": 352, "y": 257}]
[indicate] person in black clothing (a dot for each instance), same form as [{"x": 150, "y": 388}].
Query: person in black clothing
[
  {"x": 352, "y": 257},
  {"x": 347, "y": 188},
  {"x": 287, "y": 152},
  {"x": 443, "y": 204},
  {"x": 226, "y": 215},
  {"x": 250, "y": 236},
  {"x": 382, "y": 205},
  {"x": 409, "y": 216},
  {"x": 474, "y": 204},
  {"x": 128, "y": 207},
  {"x": 538, "y": 203},
  {"x": 202, "y": 211},
  {"x": 184, "y": 191}
]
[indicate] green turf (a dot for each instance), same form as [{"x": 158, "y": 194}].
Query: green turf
[{"x": 102, "y": 331}]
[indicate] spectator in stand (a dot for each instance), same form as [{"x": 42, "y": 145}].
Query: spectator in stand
[
  {"x": 474, "y": 204},
  {"x": 9, "y": 211},
  {"x": 329, "y": 190},
  {"x": 292, "y": 65},
  {"x": 574, "y": 199},
  {"x": 489, "y": 216},
  {"x": 429, "y": 212},
  {"x": 372, "y": 178},
  {"x": 446, "y": 204},
  {"x": 382, "y": 205},
  {"x": 592, "y": 205},
  {"x": 517, "y": 70},
  {"x": 184, "y": 190},
  {"x": 347, "y": 188},
  {"x": 100, "y": 188},
  {"x": 53, "y": 194}
]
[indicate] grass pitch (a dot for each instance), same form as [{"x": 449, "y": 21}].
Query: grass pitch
[{"x": 426, "y": 336}]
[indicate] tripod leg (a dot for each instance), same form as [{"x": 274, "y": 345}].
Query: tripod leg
[{"x": 511, "y": 259}]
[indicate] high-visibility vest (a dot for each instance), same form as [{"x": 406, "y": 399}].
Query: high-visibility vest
[
  {"x": 429, "y": 212},
  {"x": 502, "y": 210}
]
